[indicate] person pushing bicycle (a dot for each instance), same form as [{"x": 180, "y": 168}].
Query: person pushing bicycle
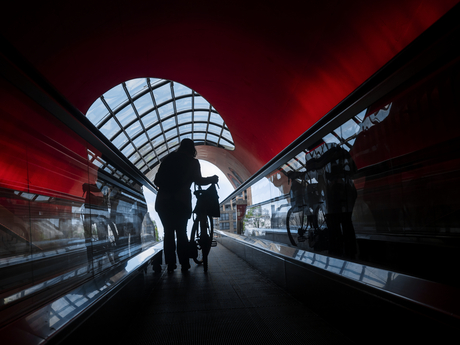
[{"x": 174, "y": 178}]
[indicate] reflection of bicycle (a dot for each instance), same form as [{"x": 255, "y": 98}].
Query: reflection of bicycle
[
  {"x": 306, "y": 217},
  {"x": 303, "y": 219},
  {"x": 201, "y": 238},
  {"x": 100, "y": 236}
]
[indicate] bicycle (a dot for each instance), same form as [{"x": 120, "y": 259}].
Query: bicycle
[
  {"x": 307, "y": 214},
  {"x": 201, "y": 238},
  {"x": 303, "y": 219}
]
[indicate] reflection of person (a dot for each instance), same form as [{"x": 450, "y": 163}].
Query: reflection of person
[
  {"x": 341, "y": 196},
  {"x": 334, "y": 170},
  {"x": 100, "y": 211},
  {"x": 174, "y": 199},
  {"x": 96, "y": 210}
]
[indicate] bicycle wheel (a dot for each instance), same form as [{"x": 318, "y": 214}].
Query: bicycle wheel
[
  {"x": 288, "y": 226},
  {"x": 205, "y": 242},
  {"x": 296, "y": 223},
  {"x": 195, "y": 238}
]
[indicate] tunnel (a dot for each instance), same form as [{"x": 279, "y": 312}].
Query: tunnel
[{"x": 333, "y": 122}]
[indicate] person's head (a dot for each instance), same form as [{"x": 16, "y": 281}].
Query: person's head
[{"x": 187, "y": 146}]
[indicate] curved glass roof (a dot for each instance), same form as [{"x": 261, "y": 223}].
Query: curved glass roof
[{"x": 146, "y": 119}]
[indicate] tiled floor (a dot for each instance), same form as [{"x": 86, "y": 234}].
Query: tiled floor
[{"x": 230, "y": 304}]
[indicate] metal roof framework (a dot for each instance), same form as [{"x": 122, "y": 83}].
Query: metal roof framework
[{"x": 146, "y": 118}]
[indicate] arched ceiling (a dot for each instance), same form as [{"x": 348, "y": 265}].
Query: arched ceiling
[
  {"x": 146, "y": 119},
  {"x": 270, "y": 69}
]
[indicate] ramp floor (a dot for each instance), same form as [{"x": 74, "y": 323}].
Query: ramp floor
[{"x": 230, "y": 304}]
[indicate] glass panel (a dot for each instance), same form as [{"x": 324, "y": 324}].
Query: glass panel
[
  {"x": 171, "y": 133},
  {"x": 120, "y": 140},
  {"x": 180, "y": 90},
  {"x": 331, "y": 139},
  {"x": 115, "y": 96},
  {"x": 361, "y": 115},
  {"x": 169, "y": 124},
  {"x": 148, "y": 158},
  {"x": 295, "y": 164},
  {"x": 201, "y": 103},
  {"x": 97, "y": 112},
  {"x": 186, "y": 117},
  {"x": 128, "y": 150},
  {"x": 198, "y": 136},
  {"x": 140, "y": 140},
  {"x": 149, "y": 119},
  {"x": 135, "y": 86},
  {"x": 140, "y": 165},
  {"x": 134, "y": 157},
  {"x": 226, "y": 134},
  {"x": 212, "y": 138},
  {"x": 162, "y": 94},
  {"x": 144, "y": 103},
  {"x": 183, "y": 104},
  {"x": 349, "y": 129},
  {"x": 185, "y": 128},
  {"x": 154, "y": 132},
  {"x": 166, "y": 110},
  {"x": 217, "y": 119},
  {"x": 155, "y": 81},
  {"x": 144, "y": 150},
  {"x": 159, "y": 149},
  {"x": 215, "y": 129},
  {"x": 199, "y": 127},
  {"x": 173, "y": 143},
  {"x": 201, "y": 116},
  {"x": 134, "y": 129},
  {"x": 110, "y": 128},
  {"x": 126, "y": 115}
]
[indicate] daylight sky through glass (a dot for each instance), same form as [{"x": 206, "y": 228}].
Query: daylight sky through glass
[{"x": 146, "y": 118}]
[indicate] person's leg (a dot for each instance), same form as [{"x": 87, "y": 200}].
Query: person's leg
[
  {"x": 182, "y": 243},
  {"x": 169, "y": 243}
]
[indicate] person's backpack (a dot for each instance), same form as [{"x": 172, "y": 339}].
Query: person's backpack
[{"x": 207, "y": 201}]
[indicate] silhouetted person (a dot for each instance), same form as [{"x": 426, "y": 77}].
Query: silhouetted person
[{"x": 174, "y": 200}]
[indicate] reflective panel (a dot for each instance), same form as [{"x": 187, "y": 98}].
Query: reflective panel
[
  {"x": 402, "y": 285},
  {"x": 67, "y": 213},
  {"x": 149, "y": 110},
  {"x": 380, "y": 189}
]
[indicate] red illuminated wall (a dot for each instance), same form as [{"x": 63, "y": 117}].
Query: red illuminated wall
[
  {"x": 39, "y": 154},
  {"x": 271, "y": 69}
]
